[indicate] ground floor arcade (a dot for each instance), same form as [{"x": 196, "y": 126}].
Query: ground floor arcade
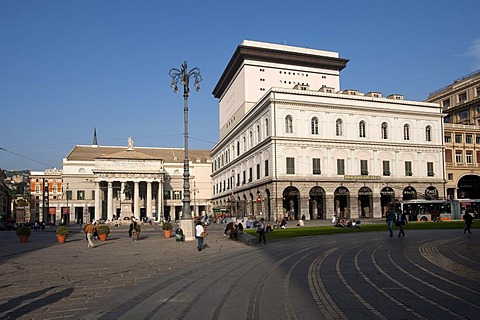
[{"x": 311, "y": 200}]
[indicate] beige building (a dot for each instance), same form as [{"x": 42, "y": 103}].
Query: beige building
[
  {"x": 292, "y": 143},
  {"x": 111, "y": 182},
  {"x": 460, "y": 102}
]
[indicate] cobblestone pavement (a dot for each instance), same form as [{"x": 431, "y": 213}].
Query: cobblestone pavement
[{"x": 427, "y": 274}]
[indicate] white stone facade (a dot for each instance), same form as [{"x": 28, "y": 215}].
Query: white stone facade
[{"x": 309, "y": 149}]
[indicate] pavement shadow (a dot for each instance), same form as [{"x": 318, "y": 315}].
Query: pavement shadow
[{"x": 32, "y": 305}]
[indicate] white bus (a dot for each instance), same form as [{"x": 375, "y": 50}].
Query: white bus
[{"x": 436, "y": 210}]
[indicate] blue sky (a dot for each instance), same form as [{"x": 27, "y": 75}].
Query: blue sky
[{"x": 67, "y": 67}]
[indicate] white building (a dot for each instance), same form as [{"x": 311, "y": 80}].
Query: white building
[
  {"x": 292, "y": 142},
  {"x": 109, "y": 182}
]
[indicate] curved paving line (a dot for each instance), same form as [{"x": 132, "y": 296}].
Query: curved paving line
[
  {"x": 290, "y": 310},
  {"x": 413, "y": 292},
  {"x": 433, "y": 274},
  {"x": 387, "y": 295},
  {"x": 319, "y": 292},
  {"x": 188, "y": 308},
  {"x": 453, "y": 248},
  {"x": 132, "y": 302},
  {"x": 376, "y": 313},
  {"x": 431, "y": 253},
  {"x": 431, "y": 286},
  {"x": 253, "y": 311},
  {"x": 221, "y": 303}
]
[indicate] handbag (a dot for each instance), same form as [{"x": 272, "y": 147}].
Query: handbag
[{"x": 203, "y": 234}]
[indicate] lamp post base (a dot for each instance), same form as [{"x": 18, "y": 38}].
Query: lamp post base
[{"x": 188, "y": 227}]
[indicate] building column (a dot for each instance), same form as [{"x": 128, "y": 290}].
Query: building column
[
  {"x": 98, "y": 207},
  {"x": 160, "y": 201},
  {"x": 110, "y": 202},
  {"x": 136, "y": 199},
  {"x": 122, "y": 188},
  {"x": 149, "y": 199}
]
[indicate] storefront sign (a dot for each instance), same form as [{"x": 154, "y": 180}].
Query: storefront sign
[
  {"x": 360, "y": 177},
  {"x": 431, "y": 193}
]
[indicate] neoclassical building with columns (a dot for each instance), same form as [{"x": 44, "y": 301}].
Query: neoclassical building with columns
[
  {"x": 112, "y": 182},
  {"x": 292, "y": 143}
]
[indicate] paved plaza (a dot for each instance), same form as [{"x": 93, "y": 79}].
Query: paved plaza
[{"x": 429, "y": 274}]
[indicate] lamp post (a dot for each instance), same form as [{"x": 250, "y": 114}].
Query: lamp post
[
  {"x": 183, "y": 75},
  {"x": 66, "y": 215},
  {"x": 195, "y": 191}
]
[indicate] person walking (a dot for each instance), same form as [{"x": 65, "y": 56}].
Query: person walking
[
  {"x": 467, "y": 217},
  {"x": 390, "y": 219},
  {"x": 89, "y": 229},
  {"x": 261, "y": 232},
  {"x": 199, "y": 234},
  {"x": 401, "y": 221},
  {"x": 137, "y": 228}
]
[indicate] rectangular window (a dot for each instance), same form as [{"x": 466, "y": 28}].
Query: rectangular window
[
  {"x": 93, "y": 194},
  {"x": 290, "y": 165},
  {"x": 408, "y": 168},
  {"x": 462, "y": 97},
  {"x": 458, "y": 138},
  {"x": 244, "y": 177},
  {"x": 177, "y": 195},
  {"x": 341, "y": 167},
  {"x": 316, "y": 166},
  {"x": 446, "y": 104},
  {"x": 250, "y": 174},
  {"x": 448, "y": 138},
  {"x": 448, "y": 156},
  {"x": 450, "y": 176},
  {"x": 364, "y": 167},
  {"x": 463, "y": 114},
  {"x": 469, "y": 157},
  {"x": 167, "y": 195},
  {"x": 80, "y": 195},
  {"x": 458, "y": 157},
  {"x": 477, "y": 139},
  {"x": 386, "y": 168},
  {"x": 69, "y": 194},
  {"x": 430, "y": 172},
  {"x": 478, "y": 91},
  {"x": 469, "y": 138},
  {"x": 258, "y": 171},
  {"x": 238, "y": 179},
  {"x": 266, "y": 168}
]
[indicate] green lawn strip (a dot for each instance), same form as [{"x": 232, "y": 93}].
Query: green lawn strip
[{"x": 315, "y": 231}]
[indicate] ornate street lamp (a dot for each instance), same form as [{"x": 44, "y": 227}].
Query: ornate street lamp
[{"x": 183, "y": 75}]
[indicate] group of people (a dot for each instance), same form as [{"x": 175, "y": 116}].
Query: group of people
[
  {"x": 134, "y": 227},
  {"x": 399, "y": 219},
  {"x": 345, "y": 223},
  {"x": 233, "y": 230}
]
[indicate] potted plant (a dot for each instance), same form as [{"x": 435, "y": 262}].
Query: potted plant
[
  {"x": 167, "y": 229},
  {"x": 103, "y": 231},
  {"x": 23, "y": 233},
  {"x": 62, "y": 232}
]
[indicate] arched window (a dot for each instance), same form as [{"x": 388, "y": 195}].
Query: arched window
[
  {"x": 238, "y": 148},
  {"x": 244, "y": 145},
  {"x": 339, "y": 127},
  {"x": 362, "y": 132},
  {"x": 384, "y": 130},
  {"x": 288, "y": 124},
  {"x": 258, "y": 133},
  {"x": 250, "y": 142},
  {"x": 428, "y": 133},
  {"x": 266, "y": 128},
  {"x": 406, "y": 132},
  {"x": 314, "y": 125}
]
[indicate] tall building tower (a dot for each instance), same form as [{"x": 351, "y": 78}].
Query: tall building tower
[{"x": 292, "y": 143}]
